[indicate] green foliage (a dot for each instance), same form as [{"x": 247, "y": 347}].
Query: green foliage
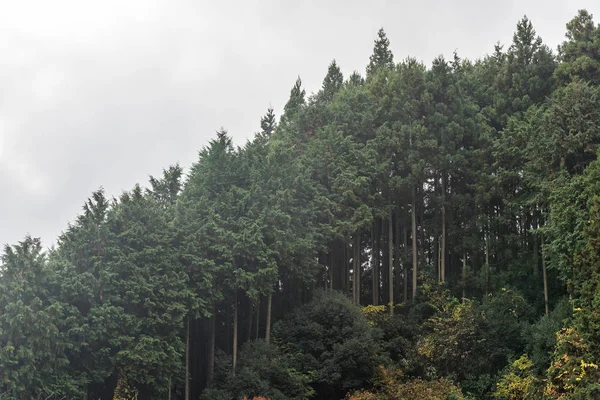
[
  {"x": 264, "y": 371},
  {"x": 541, "y": 336},
  {"x": 465, "y": 193},
  {"x": 31, "y": 346},
  {"x": 382, "y": 56},
  {"x": 330, "y": 339},
  {"x": 580, "y": 53}
]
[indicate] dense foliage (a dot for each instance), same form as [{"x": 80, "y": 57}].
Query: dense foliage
[{"x": 414, "y": 233}]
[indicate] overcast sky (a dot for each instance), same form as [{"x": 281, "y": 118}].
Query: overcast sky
[{"x": 105, "y": 93}]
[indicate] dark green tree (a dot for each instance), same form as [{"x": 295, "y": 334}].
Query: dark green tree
[{"x": 382, "y": 56}]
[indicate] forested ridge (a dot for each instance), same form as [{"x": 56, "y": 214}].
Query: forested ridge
[{"x": 414, "y": 232}]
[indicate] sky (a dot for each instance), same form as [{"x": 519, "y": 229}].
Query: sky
[{"x": 106, "y": 93}]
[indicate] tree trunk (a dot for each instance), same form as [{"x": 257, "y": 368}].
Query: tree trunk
[
  {"x": 545, "y": 278},
  {"x": 250, "y": 310},
  {"x": 375, "y": 262},
  {"x": 330, "y": 266},
  {"x": 405, "y": 262},
  {"x": 356, "y": 268},
  {"x": 421, "y": 222},
  {"x": 228, "y": 328},
  {"x": 439, "y": 259},
  {"x": 391, "y": 263},
  {"x": 443, "y": 251},
  {"x": 210, "y": 376},
  {"x": 536, "y": 251},
  {"x": 487, "y": 263},
  {"x": 414, "y": 243},
  {"x": 257, "y": 319},
  {"x": 397, "y": 237},
  {"x": 464, "y": 276},
  {"x": 235, "y": 334},
  {"x": 384, "y": 298},
  {"x": 268, "y": 323},
  {"x": 346, "y": 287},
  {"x": 187, "y": 360}
]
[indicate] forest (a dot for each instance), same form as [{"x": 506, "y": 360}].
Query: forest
[{"x": 422, "y": 232}]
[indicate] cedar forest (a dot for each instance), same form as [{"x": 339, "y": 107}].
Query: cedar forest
[{"x": 416, "y": 232}]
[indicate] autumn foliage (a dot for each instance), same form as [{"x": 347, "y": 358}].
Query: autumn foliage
[{"x": 389, "y": 385}]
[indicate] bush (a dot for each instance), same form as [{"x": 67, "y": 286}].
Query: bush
[
  {"x": 389, "y": 385},
  {"x": 331, "y": 339},
  {"x": 264, "y": 371}
]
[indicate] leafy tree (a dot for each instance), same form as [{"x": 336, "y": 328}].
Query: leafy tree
[
  {"x": 329, "y": 338},
  {"x": 265, "y": 371}
]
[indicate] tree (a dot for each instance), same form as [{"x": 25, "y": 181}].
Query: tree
[
  {"x": 333, "y": 81},
  {"x": 151, "y": 290},
  {"x": 268, "y": 122},
  {"x": 167, "y": 189},
  {"x": 32, "y": 358},
  {"x": 580, "y": 53},
  {"x": 331, "y": 337},
  {"x": 382, "y": 56},
  {"x": 294, "y": 103}
]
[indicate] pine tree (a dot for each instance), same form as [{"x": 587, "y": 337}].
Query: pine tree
[
  {"x": 294, "y": 103},
  {"x": 32, "y": 347},
  {"x": 268, "y": 122},
  {"x": 333, "y": 81},
  {"x": 580, "y": 53},
  {"x": 355, "y": 79},
  {"x": 382, "y": 56},
  {"x": 167, "y": 188}
]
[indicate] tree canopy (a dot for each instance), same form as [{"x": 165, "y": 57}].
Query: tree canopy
[{"x": 419, "y": 232}]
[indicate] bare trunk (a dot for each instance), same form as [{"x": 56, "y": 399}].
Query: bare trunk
[
  {"x": 487, "y": 264},
  {"x": 346, "y": 287},
  {"x": 464, "y": 276},
  {"x": 330, "y": 264},
  {"x": 405, "y": 263},
  {"x": 397, "y": 238},
  {"x": 257, "y": 319},
  {"x": 391, "y": 263},
  {"x": 420, "y": 222},
  {"x": 187, "y": 360},
  {"x": 545, "y": 278},
  {"x": 439, "y": 260},
  {"x": 250, "y": 310},
  {"x": 536, "y": 251},
  {"x": 443, "y": 251},
  {"x": 268, "y": 323},
  {"x": 375, "y": 262},
  {"x": 536, "y": 259},
  {"x": 359, "y": 268},
  {"x": 383, "y": 285},
  {"x": 210, "y": 377},
  {"x": 414, "y": 243},
  {"x": 235, "y": 334},
  {"x": 356, "y": 268},
  {"x": 443, "y": 239}
]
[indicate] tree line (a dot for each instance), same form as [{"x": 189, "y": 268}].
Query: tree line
[{"x": 416, "y": 229}]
